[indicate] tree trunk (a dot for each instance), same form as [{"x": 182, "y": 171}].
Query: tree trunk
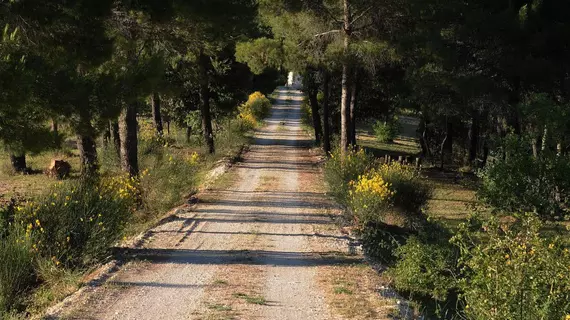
[
  {"x": 474, "y": 136},
  {"x": 353, "y": 103},
  {"x": 422, "y": 130},
  {"x": 55, "y": 132},
  {"x": 188, "y": 133},
  {"x": 485, "y": 154},
  {"x": 115, "y": 137},
  {"x": 345, "y": 96},
  {"x": 544, "y": 139},
  {"x": 326, "y": 114},
  {"x": 205, "y": 103},
  {"x": 106, "y": 136},
  {"x": 157, "y": 118},
  {"x": 447, "y": 144},
  {"x": 87, "y": 147},
  {"x": 19, "y": 163},
  {"x": 129, "y": 142},
  {"x": 313, "y": 101},
  {"x": 535, "y": 146}
]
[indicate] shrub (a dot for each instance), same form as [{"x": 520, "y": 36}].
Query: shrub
[
  {"x": 411, "y": 194},
  {"x": 521, "y": 182},
  {"x": 340, "y": 172},
  {"x": 426, "y": 270},
  {"x": 306, "y": 114},
  {"x": 380, "y": 241},
  {"x": 386, "y": 131},
  {"x": 370, "y": 198},
  {"x": 256, "y": 108},
  {"x": 16, "y": 268},
  {"x": 391, "y": 194},
  {"x": 169, "y": 178},
  {"x": 513, "y": 271},
  {"x": 76, "y": 222}
]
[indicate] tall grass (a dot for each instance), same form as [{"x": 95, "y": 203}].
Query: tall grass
[{"x": 17, "y": 274}]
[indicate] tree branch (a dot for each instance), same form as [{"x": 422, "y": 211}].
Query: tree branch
[
  {"x": 327, "y": 33},
  {"x": 361, "y": 15}
]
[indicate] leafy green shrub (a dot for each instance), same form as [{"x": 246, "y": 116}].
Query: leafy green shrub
[
  {"x": 380, "y": 241},
  {"x": 426, "y": 270},
  {"x": 306, "y": 114},
  {"x": 168, "y": 179},
  {"x": 513, "y": 271},
  {"x": 340, "y": 172},
  {"x": 520, "y": 182},
  {"x": 76, "y": 222},
  {"x": 411, "y": 194},
  {"x": 16, "y": 268},
  {"x": 386, "y": 131}
]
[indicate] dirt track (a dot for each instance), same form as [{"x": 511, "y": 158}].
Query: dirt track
[{"x": 251, "y": 249}]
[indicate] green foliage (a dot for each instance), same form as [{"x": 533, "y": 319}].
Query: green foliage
[
  {"x": 76, "y": 222},
  {"x": 426, "y": 269},
  {"x": 518, "y": 181},
  {"x": 338, "y": 172},
  {"x": 260, "y": 54},
  {"x": 380, "y": 241},
  {"x": 513, "y": 271},
  {"x": 306, "y": 114},
  {"x": 411, "y": 193},
  {"x": 16, "y": 268},
  {"x": 386, "y": 131},
  {"x": 169, "y": 177}
]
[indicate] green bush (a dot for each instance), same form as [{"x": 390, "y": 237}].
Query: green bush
[
  {"x": 380, "y": 241},
  {"x": 340, "y": 172},
  {"x": 513, "y": 271},
  {"x": 411, "y": 193},
  {"x": 76, "y": 222},
  {"x": 386, "y": 131},
  {"x": 426, "y": 270},
  {"x": 306, "y": 114},
  {"x": 170, "y": 177},
  {"x": 16, "y": 268},
  {"x": 520, "y": 182}
]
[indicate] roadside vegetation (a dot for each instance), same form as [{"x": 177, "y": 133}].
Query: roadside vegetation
[
  {"x": 54, "y": 235},
  {"x": 110, "y": 116}
]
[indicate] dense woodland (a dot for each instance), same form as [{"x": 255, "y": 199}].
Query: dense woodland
[
  {"x": 473, "y": 72},
  {"x": 97, "y": 65}
]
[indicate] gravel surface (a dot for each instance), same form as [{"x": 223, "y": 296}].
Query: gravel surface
[{"x": 265, "y": 235}]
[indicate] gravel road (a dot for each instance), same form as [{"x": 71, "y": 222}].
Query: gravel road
[{"x": 251, "y": 249}]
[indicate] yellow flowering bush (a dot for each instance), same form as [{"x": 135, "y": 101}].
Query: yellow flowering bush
[
  {"x": 370, "y": 197},
  {"x": 392, "y": 193},
  {"x": 256, "y": 108}
]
